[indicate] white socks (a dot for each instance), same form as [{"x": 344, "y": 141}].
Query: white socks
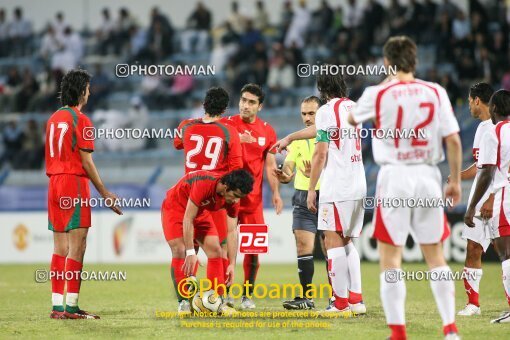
[
  {"x": 393, "y": 296},
  {"x": 339, "y": 271},
  {"x": 354, "y": 265},
  {"x": 72, "y": 299},
  {"x": 444, "y": 293},
  {"x": 57, "y": 299},
  {"x": 472, "y": 278},
  {"x": 505, "y": 265}
]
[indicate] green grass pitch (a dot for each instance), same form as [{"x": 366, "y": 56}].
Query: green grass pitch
[{"x": 128, "y": 308}]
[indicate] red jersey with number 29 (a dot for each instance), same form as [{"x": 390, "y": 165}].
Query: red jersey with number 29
[
  {"x": 408, "y": 107},
  {"x": 65, "y": 132},
  {"x": 209, "y": 146}
]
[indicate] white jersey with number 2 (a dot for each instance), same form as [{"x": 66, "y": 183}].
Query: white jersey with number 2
[{"x": 408, "y": 107}]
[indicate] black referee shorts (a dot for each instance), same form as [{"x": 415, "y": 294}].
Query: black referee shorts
[{"x": 302, "y": 218}]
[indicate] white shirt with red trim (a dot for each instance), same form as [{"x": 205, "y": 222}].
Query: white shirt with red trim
[
  {"x": 495, "y": 150},
  {"x": 482, "y": 129},
  {"x": 408, "y": 107},
  {"x": 343, "y": 177}
]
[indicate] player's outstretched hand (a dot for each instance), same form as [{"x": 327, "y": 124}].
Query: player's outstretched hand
[
  {"x": 468, "y": 218},
  {"x": 282, "y": 176},
  {"x": 277, "y": 204},
  {"x": 486, "y": 210},
  {"x": 112, "y": 202},
  {"x": 229, "y": 275},
  {"x": 307, "y": 169},
  {"x": 311, "y": 201},
  {"x": 189, "y": 264},
  {"x": 453, "y": 192},
  {"x": 281, "y": 144}
]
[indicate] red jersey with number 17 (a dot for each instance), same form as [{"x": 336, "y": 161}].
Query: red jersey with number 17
[
  {"x": 211, "y": 146},
  {"x": 66, "y": 134},
  {"x": 254, "y": 155}
]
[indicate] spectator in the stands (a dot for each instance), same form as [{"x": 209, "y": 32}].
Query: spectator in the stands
[
  {"x": 137, "y": 45},
  {"x": 49, "y": 44},
  {"x": 11, "y": 88},
  {"x": 413, "y": 17},
  {"x": 159, "y": 42},
  {"x": 46, "y": 98},
  {"x": 236, "y": 19},
  {"x": 12, "y": 137},
  {"x": 32, "y": 149},
  {"x": 73, "y": 42},
  {"x": 20, "y": 33},
  {"x": 286, "y": 17},
  {"x": 281, "y": 78},
  {"x": 122, "y": 26},
  {"x": 261, "y": 19},
  {"x": 29, "y": 88},
  {"x": 100, "y": 88},
  {"x": 105, "y": 32},
  {"x": 59, "y": 25},
  {"x": 197, "y": 30},
  {"x": 461, "y": 27},
  {"x": 451, "y": 88},
  {"x": 322, "y": 20},
  {"x": 373, "y": 17},
  {"x": 447, "y": 7},
  {"x": 298, "y": 26},
  {"x": 226, "y": 45},
  {"x": 353, "y": 13},
  {"x": 396, "y": 17},
  {"x": 4, "y": 34},
  {"x": 443, "y": 39}
]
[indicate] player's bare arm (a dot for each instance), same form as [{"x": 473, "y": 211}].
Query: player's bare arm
[
  {"x": 454, "y": 157},
  {"x": 466, "y": 174},
  {"x": 187, "y": 234},
  {"x": 487, "y": 207},
  {"x": 286, "y": 174},
  {"x": 91, "y": 170},
  {"x": 231, "y": 249},
  {"x": 270, "y": 166},
  {"x": 306, "y": 133},
  {"x": 319, "y": 157},
  {"x": 483, "y": 183}
]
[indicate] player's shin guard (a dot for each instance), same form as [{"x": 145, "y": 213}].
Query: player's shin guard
[
  {"x": 505, "y": 265},
  {"x": 305, "y": 270},
  {"x": 393, "y": 297},
  {"x": 251, "y": 267},
  {"x": 73, "y": 279},
  {"x": 472, "y": 278},
  {"x": 57, "y": 267},
  {"x": 339, "y": 273},
  {"x": 177, "y": 276},
  {"x": 354, "y": 264},
  {"x": 216, "y": 274},
  {"x": 443, "y": 289}
]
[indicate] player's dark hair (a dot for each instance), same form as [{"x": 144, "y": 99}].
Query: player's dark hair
[
  {"x": 216, "y": 101},
  {"x": 331, "y": 85},
  {"x": 255, "y": 90},
  {"x": 238, "y": 179},
  {"x": 313, "y": 99},
  {"x": 401, "y": 51},
  {"x": 500, "y": 103},
  {"x": 73, "y": 87},
  {"x": 481, "y": 90}
]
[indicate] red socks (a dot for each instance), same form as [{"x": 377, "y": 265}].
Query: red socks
[
  {"x": 398, "y": 332},
  {"x": 74, "y": 279},
  {"x": 178, "y": 276},
  {"x": 216, "y": 274},
  {"x": 58, "y": 267},
  {"x": 355, "y": 298},
  {"x": 251, "y": 267}
]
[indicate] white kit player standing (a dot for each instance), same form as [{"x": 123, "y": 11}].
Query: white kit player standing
[
  {"x": 408, "y": 170},
  {"x": 494, "y": 166},
  {"x": 478, "y": 238}
]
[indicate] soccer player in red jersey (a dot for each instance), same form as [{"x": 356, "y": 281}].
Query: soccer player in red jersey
[
  {"x": 185, "y": 219},
  {"x": 210, "y": 145},
  {"x": 69, "y": 166},
  {"x": 257, "y": 139}
]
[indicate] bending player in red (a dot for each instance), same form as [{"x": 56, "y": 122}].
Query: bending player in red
[
  {"x": 210, "y": 145},
  {"x": 69, "y": 166},
  {"x": 185, "y": 219},
  {"x": 257, "y": 138}
]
